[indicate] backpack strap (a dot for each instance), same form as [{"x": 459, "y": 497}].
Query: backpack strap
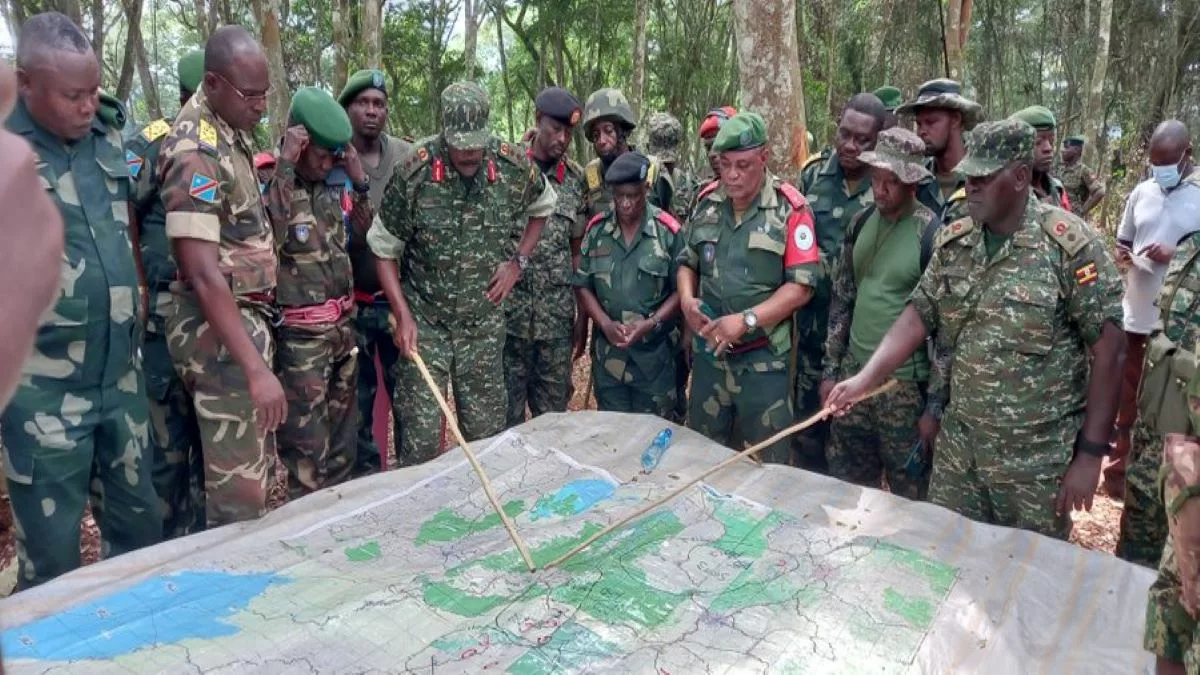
[{"x": 928, "y": 235}]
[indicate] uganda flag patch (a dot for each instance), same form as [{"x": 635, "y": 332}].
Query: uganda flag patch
[
  {"x": 1085, "y": 275},
  {"x": 204, "y": 188}
]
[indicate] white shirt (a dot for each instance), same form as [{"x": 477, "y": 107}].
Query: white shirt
[{"x": 1153, "y": 216}]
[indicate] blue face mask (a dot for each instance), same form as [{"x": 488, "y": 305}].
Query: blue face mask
[{"x": 1168, "y": 176}]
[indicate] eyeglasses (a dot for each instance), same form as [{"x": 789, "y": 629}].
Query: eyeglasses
[{"x": 247, "y": 98}]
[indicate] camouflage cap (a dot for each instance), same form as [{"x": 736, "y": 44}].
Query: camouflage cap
[
  {"x": 900, "y": 151},
  {"x": 945, "y": 94},
  {"x": 465, "y": 111},
  {"x": 744, "y": 131},
  {"x": 994, "y": 145},
  {"x": 191, "y": 70},
  {"x": 890, "y": 96},
  {"x": 666, "y": 133},
  {"x": 1037, "y": 116}
]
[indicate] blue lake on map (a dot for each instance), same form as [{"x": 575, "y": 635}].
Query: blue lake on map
[
  {"x": 572, "y": 498},
  {"x": 158, "y": 611}
]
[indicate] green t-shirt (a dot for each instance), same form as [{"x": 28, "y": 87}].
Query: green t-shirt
[
  {"x": 887, "y": 267},
  {"x": 992, "y": 242}
]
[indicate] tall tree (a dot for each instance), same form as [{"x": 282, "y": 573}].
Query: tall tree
[
  {"x": 268, "y": 13},
  {"x": 372, "y": 32},
  {"x": 769, "y": 65},
  {"x": 137, "y": 46},
  {"x": 958, "y": 25},
  {"x": 1093, "y": 114},
  {"x": 638, "y": 93},
  {"x": 341, "y": 43},
  {"x": 472, "y": 17}
]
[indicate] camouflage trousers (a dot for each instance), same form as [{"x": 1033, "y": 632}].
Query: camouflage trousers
[
  {"x": 1143, "y": 520},
  {"x": 1007, "y": 476},
  {"x": 1170, "y": 631},
  {"x": 537, "y": 374},
  {"x": 318, "y": 368},
  {"x": 64, "y": 447},
  {"x": 175, "y": 436},
  {"x": 738, "y": 406},
  {"x": 875, "y": 439},
  {"x": 374, "y": 338},
  {"x": 809, "y": 445},
  {"x": 471, "y": 357},
  {"x": 238, "y": 454},
  {"x": 639, "y": 380}
]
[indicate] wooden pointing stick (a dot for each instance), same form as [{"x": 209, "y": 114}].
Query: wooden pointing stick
[
  {"x": 748, "y": 452},
  {"x": 466, "y": 448}
]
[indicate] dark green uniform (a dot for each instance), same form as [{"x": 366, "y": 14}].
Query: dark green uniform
[
  {"x": 77, "y": 429},
  {"x": 631, "y": 281},
  {"x": 178, "y": 461},
  {"x": 739, "y": 399}
]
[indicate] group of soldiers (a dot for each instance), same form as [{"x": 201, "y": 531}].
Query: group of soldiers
[{"x": 220, "y": 307}]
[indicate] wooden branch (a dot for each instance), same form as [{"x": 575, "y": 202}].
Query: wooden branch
[
  {"x": 466, "y": 448},
  {"x": 748, "y": 452}
]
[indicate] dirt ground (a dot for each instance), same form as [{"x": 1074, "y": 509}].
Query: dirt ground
[{"x": 1096, "y": 530}]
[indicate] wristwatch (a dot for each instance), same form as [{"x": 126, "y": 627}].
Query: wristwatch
[
  {"x": 750, "y": 318},
  {"x": 363, "y": 187},
  {"x": 522, "y": 261}
]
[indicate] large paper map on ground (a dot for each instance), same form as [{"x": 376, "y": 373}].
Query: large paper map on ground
[{"x": 424, "y": 579}]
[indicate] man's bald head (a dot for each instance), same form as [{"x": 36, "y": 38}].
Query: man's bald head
[
  {"x": 227, "y": 47},
  {"x": 1170, "y": 143},
  {"x": 44, "y": 34}
]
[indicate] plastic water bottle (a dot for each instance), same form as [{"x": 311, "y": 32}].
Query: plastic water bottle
[{"x": 654, "y": 452}]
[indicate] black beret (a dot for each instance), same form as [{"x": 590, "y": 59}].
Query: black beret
[
  {"x": 559, "y": 104},
  {"x": 630, "y": 167}
]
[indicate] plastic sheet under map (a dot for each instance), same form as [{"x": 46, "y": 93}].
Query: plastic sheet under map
[{"x": 412, "y": 572}]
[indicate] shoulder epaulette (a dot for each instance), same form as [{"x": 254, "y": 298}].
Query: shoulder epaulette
[
  {"x": 708, "y": 190},
  {"x": 573, "y": 167},
  {"x": 820, "y": 156},
  {"x": 792, "y": 195},
  {"x": 652, "y": 172},
  {"x": 592, "y": 172},
  {"x": 668, "y": 221},
  {"x": 416, "y": 160},
  {"x": 1066, "y": 229},
  {"x": 595, "y": 219},
  {"x": 511, "y": 154},
  {"x": 958, "y": 195},
  {"x": 156, "y": 130},
  {"x": 953, "y": 231}
]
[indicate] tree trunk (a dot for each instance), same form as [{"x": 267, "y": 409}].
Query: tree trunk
[
  {"x": 372, "y": 28},
  {"x": 268, "y": 13},
  {"x": 341, "y": 43},
  {"x": 958, "y": 25},
  {"x": 1092, "y": 116},
  {"x": 471, "y": 19},
  {"x": 71, "y": 8},
  {"x": 200, "y": 7},
  {"x": 128, "y": 61},
  {"x": 97, "y": 11},
  {"x": 498, "y": 9},
  {"x": 639, "y": 58},
  {"x": 831, "y": 61},
  {"x": 769, "y": 65},
  {"x": 133, "y": 16}
]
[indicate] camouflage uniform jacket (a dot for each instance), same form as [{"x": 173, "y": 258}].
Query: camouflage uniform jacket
[
  {"x": 449, "y": 233},
  {"x": 687, "y": 186},
  {"x": 598, "y": 198},
  {"x": 741, "y": 264},
  {"x": 141, "y": 156},
  {"x": 930, "y": 193},
  {"x": 1019, "y": 325},
  {"x": 90, "y": 337},
  {"x": 542, "y": 304},
  {"x": 1050, "y": 190},
  {"x": 1080, "y": 182},
  {"x": 210, "y": 192},
  {"x": 311, "y": 235}
]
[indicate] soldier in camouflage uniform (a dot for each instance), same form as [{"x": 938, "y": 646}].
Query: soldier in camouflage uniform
[
  {"x": 837, "y": 187},
  {"x": 607, "y": 122},
  {"x": 880, "y": 264},
  {"x": 1046, "y": 187},
  {"x": 665, "y": 135},
  {"x": 77, "y": 428},
  {"x": 626, "y": 284},
  {"x": 1023, "y": 294},
  {"x": 178, "y": 464},
  {"x": 220, "y": 335},
  {"x": 459, "y": 221},
  {"x": 366, "y": 103},
  {"x": 943, "y": 116},
  {"x": 1084, "y": 188},
  {"x": 541, "y": 313},
  {"x": 749, "y": 262},
  {"x": 316, "y": 355}
]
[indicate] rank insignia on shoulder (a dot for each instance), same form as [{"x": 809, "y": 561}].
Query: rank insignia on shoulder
[
  {"x": 156, "y": 130},
  {"x": 1085, "y": 275},
  {"x": 207, "y": 136},
  {"x": 1060, "y": 228},
  {"x": 203, "y": 188},
  {"x": 134, "y": 163}
]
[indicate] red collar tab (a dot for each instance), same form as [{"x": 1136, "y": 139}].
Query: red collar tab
[
  {"x": 491, "y": 171},
  {"x": 439, "y": 170}
]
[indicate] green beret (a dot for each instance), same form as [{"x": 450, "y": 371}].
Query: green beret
[
  {"x": 743, "y": 131},
  {"x": 891, "y": 97},
  {"x": 630, "y": 167},
  {"x": 327, "y": 123},
  {"x": 363, "y": 79},
  {"x": 191, "y": 71},
  {"x": 1076, "y": 141},
  {"x": 1038, "y": 117}
]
